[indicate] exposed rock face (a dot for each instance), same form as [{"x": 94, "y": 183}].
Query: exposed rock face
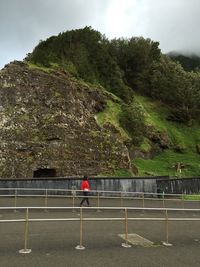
[
  {"x": 47, "y": 122},
  {"x": 158, "y": 137}
]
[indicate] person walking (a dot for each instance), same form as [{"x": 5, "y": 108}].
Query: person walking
[{"x": 85, "y": 187}]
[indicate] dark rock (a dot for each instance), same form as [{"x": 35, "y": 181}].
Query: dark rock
[
  {"x": 48, "y": 122},
  {"x": 159, "y": 137},
  {"x": 198, "y": 148},
  {"x": 111, "y": 128},
  {"x": 137, "y": 153}
]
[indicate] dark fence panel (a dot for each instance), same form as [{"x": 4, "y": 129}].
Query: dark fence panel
[
  {"x": 180, "y": 186},
  {"x": 126, "y": 184}
]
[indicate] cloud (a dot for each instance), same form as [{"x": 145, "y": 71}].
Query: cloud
[
  {"x": 174, "y": 23},
  {"x": 24, "y": 22},
  {"x": 125, "y": 18}
]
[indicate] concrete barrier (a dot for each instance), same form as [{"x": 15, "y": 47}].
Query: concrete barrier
[{"x": 126, "y": 184}]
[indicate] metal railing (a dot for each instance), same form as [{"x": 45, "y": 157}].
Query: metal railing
[
  {"x": 94, "y": 194},
  {"x": 124, "y": 219},
  {"x": 62, "y": 192}
]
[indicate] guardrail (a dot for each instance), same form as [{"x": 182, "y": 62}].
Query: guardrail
[
  {"x": 103, "y": 192},
  {"x": 94, "y": 194},
  {"x": 124, "y": 219}
]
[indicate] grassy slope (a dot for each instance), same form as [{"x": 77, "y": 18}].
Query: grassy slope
[
  {"x": 180, "y": 136},
  {"x": 111, "y": 115}
]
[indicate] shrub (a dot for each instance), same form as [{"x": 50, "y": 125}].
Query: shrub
[{"x": 132, "y": 120}]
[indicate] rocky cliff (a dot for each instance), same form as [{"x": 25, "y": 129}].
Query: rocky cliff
[{"x": 48, "y": 126}]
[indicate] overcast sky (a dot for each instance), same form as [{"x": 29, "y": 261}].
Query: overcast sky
[{"x": 174, "y": 23}]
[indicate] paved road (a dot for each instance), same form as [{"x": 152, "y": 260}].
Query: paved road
[{"x": 53, "y": 243}]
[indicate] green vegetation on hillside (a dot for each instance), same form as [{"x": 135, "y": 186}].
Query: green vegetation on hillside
[
  {"x": 183, "y": 142},
  {"x": 132, "y": 119},
  {"x": 123, "y": 66},
  {"x": 111, "y": 115},
  {"x": 183, "y": 139}
]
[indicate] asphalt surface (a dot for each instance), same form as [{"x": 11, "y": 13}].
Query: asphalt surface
[{"x": 53, "y": 243}]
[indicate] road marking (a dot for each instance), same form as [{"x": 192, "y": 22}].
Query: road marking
[{"x": 137, "y": 240}]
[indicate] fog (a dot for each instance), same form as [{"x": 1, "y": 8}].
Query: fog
[{"x": 23, "y": 23}]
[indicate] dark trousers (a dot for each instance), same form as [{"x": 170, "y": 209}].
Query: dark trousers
[{"x": 85, "y": 199}]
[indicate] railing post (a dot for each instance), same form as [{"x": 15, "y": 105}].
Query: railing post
[
  {"x": 15, "y": 200},
  {"x": 121, "y": 201},
  {"x": 46, "y": 200},
  {"x": 126, "y": 245},
  {"x": 183, "y": 202},
  {"x": 163, "y": 197},
  {"x": 143, "y": 201},
  {"x": 73, "y": 201},
  {"x": 98, "y": 202},
  {"x": 25, "y": 250},
  {"x": 80, "y": 246},
  {"x": 73, "y": 192},
  {"x": 167, "y": 230}
]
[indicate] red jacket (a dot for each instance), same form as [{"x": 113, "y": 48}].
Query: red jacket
[{"x": 85, "y": 186}]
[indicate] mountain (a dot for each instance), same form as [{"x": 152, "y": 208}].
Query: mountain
[
  {"x": 83, "y": 104},
  {"x": 189, "y": 62}
]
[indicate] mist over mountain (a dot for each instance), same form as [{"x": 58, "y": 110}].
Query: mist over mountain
[{"x": 189, "y": 61}]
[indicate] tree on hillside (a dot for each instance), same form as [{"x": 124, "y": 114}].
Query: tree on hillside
[
  {"x": 135, "y": 57},
  {"x": 132, "y": 119},
  {"x": 123, "y": 66},
  {"x": 176, "y": 87},
  {"x": 84, "y": 52}
]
